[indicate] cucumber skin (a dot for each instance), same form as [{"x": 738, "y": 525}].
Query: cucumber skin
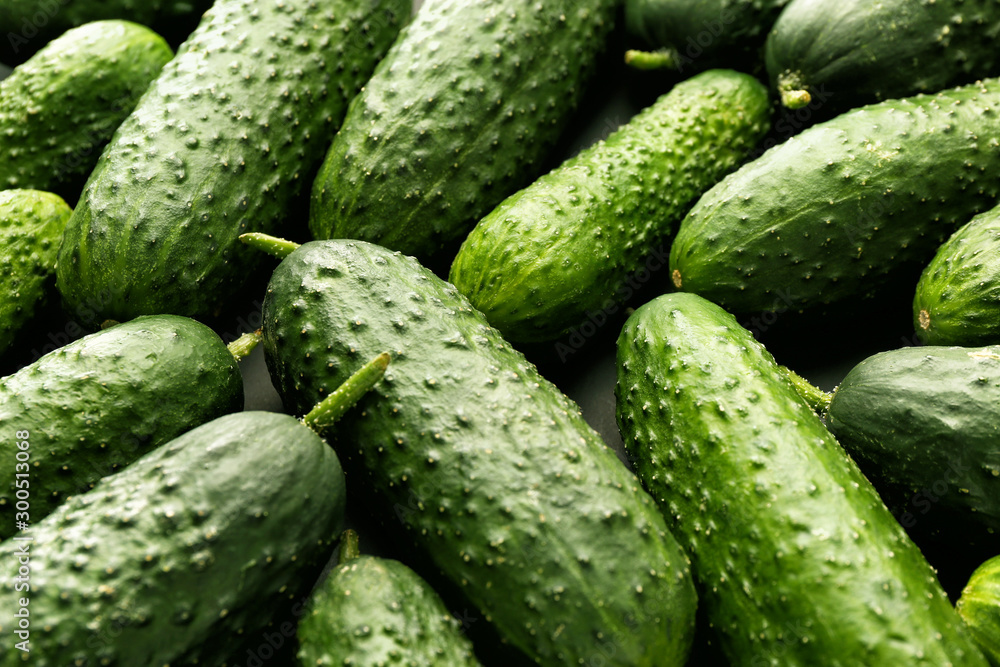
[
  {"x": 95, "y": 405},
  {"x": 472, "y": 448},
  {"x": 203, "y": 540},
  {"x": 461, "y": 113},
  {"x": 61, "y": 107},
  {"x": 31, "y": 226},
  {"x": 557, "y": 249},
  {"x": 823, "y": 217},
  {"x": 858, "y": 52},
  {"x": 957, "y": 301},
  {"x": 918, "y": 416},
  {"x": 158, "y": 223},
  {"x": 979, "y": 606},
  {"x": 749, "y": 475}
]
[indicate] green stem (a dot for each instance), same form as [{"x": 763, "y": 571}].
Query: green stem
[
  {"x": 349, "y": 549},
  {"x": 651, "y": 60},
  {"x": 244, "y": 345},
  {"x": 815, "y": 398},
  {"x": 343, "y": 399},
  {"x": 792, "y": 91},
  {"x": 272, "y": 245}
]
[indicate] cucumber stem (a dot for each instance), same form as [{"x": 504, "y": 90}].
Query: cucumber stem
[
  {"x": 343, "y": 399},
  {"x": 815, "y": 398},
  {"x": 107, "y": 324},
  {"x": 245, "y": 344},
  {"x": 651, "y": 60},
  {"x": 272, "y": 245},
  {"x": 349, "y": 549},
  {"x": 792, "y": 91}
]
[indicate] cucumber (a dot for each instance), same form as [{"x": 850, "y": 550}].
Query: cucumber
[
  {"x": 462, "y": 112},
  {"x": 99, "y": 403},
  {"x": 566, "y": 244},
  {"x": 836, "y": 210},
  {"x": 798, "y": 561},
  {"x": 492, "y": 470},
  {"x": 31, "y": 226},
  {"x": 923, "y": 424},
  {"x": 375, "y": 611},
  {"x": 179, "y": 556},
  {"x": 857, "y": 52},
  {"x": 957, "y": 301},
  {"x": 979, "y": 607},
  {"x": 221, "y": 144},
  {"x": 59, "y": 109}
]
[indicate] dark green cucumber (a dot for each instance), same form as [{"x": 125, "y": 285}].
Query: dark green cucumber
[
  {"x": 493, "y": 471},
  {"x": 461, "y": 113},
  {"x": 979, "y": 607},
  {"x": 798, "y": 560},
  {"x": 31, "y": 226},
  {"x": 846, "y": 53},
  {"x": 99, "y": 403},
  {"x": 958, "y": 297},
  {"x": 566, "y": 244},
  {"x": 223, "y": 143},
  {"x": 834, "y": 211},
  {"x": 924, "y": 425},
  {"x": 59, "y": 109},
  {"x": 373, "y": 612},
  {"x": 179, "y": 556}
]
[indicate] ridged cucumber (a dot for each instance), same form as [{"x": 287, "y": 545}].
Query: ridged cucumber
[
  {"x": 798, "y": 560},
  {"x": 979, "y": 606},
  {"x": 564, "y": 245}
]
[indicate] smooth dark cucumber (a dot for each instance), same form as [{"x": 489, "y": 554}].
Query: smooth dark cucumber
[
  {"x": 835, "y": 211},
  {"x": 798, "y": 560},
  {"x": 492, "y": 470},
  {"x": 462, "y": 112},
  {"x": 223, "y": 143},
  {"x": 99, "y": 403},
  {"x": 566, "y": 244},
  {"x": 979, "y": 607}
]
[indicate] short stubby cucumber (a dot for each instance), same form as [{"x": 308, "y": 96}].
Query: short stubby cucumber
[
  {"x": 923, "y": 423},
  {"x": 223, "y": 143},
  {"x": 99, "y": 403},
  {"x": 505, "y": 487},
  {"x": 831, "y": 213},
  {"x": 31, "y": 226},
  {"x": 979, "y": 606},
  {"x": 372, "y": 612},
  {"x": 59, "y": 109},
  {"x": 957, "y": 301},
  {"x": 798, "y": 560},
  {"x": 565, "y": 245},
  {"x": 841, "y": 54},
  {"x": 183, "y": 554},
  {"x": 462, "y": 112}
]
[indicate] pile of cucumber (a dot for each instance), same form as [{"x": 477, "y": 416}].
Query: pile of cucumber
[{"x": 392, "y": 193}]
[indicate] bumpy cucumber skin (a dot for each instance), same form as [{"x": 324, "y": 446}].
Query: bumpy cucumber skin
[
  {"x": 31, "y": 226},
  {"x": 563, "y": 245},
  {"x": 853, "y": 52},
  {"x": 918, "y": 418},
  {"x": 490, "y": 467},
  {"x": 979, "y": 607},
  {"x": 95, "y": 405},
  {"x": 832, "y": 212},
  {"x": 460, "y": 114},
  {"x": 375, "y": 612},
  {"x": 179, "y": 556},
  {"x": 799, "y": 561},
  {"x": 220, "y": 145},
  {"x": 59, "y": 109},
  {"x": 957, "y": 301}
]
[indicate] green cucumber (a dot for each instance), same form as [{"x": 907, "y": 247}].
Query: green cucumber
[
  {"x": 462, "y": 112},
  {"x": 957, "y": 301},
  {"x": 798, "y": 560},
  {"x": 923, "y": 423},
  {"x": 31, "y": 226},
  {"x": 372, "y": 612},
  {"x": 855, "y": 52},
  {"x": 979, "y": 607},
  {"x": 59, "y": 109},
  {"x": 563, "y": 246},
  {"x": 99, "y": 403},
  {"x": 492, "y": 470},
  {"x": 833, "y": 212},
  {"x": 224, "y": 142}
]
